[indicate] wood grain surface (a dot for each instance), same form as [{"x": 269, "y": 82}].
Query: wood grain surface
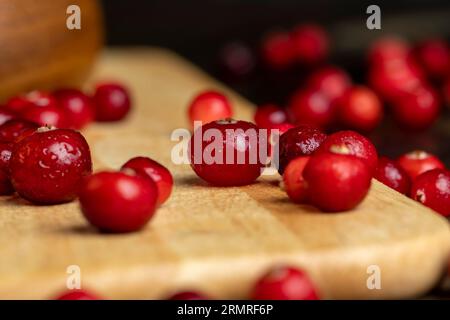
[{"x": 217, "y": 240}]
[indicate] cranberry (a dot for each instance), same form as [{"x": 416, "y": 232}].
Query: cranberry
[
  {"x": 14, "y": 130},
  {"x": 336, "y": 182},
  {"x": 294, "y": 183},
  {"x": 278, "y": 50},
  {"x": 310, "y": 106},
  {"x": 417, "y": 109},
  {"x": 5, "y": 182},
  {"x": 228, "y": 152},
  {"x": 77, "y": 295},
  {"x": 188, "y": 295},
  {"x": 282, "y": 127},
  {"x": 118, "y": 201},
  {"x": 155, "y": 171},
  {"x": 392, "y": 174},
  {"x": 284, "y": 283},
  {"x": 269, "y": 115},
  {"x": 47, "y": 167},
  {"x": 32, "y": 99},
  {"x": 360, "y": 109},
  {"x": 418, "y": 162},
  {"x": 298, "y": 141},
  {"x": 432, "y": 189},
  {"x": 209, "y": 106},
  {"x": 357, "y": 145},
  {"x": 237, "y": 59},
  {"x": 331, "y": 80},
  {"x": 77, "y": 106},
  {"x": 388, "y": 49},
  {"x": 310, "y": 43},
  {"x": 46, "y": 116},
  {"x": 112, "y": 102},
  {"x": 6, "y": 115},
  {"x": 434, "y": 56}
]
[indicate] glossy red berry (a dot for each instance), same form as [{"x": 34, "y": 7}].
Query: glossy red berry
[
  {"x": 188, "y": 295},
  {"x": 78, "y": 107},
  {"x": 330, "y": 80},
  {"x": 353, "y": 143},
  {"x": 6, "y": 187},
  {"x": 360, "y": 109},
  {"x": 46, "y": 116},
  {"x": 6, "y": 115},
  {"x": 118, "y": 201},
  {"x": 418, "y": 162},
  {"x": 284, "y": 283},
  {"x": 32, "y": 99},
  {"x": 294, "y": 183},
  {"x": 432, "y": 189},
  {"x": 270, "y": 115},
  {"x": 278, "y": 50},
  {"x": 112, "y": 102},
  {"x": 310, "y": 43},
  {"x": 388, "y": 49},
  {"x": 14, "y": 130},
  {"x": 392, "y": 174},
  {"x": 336, "y": 182},
  {"x": 77, "y": 295},
  {"x": 434, "y": 56},
  {"x": 298, "y": 141},
  {"x": 47, "y": 167},
  {"x": 209, "y": 106},
  {"x": 155, "y": 171},
  {"x": 228, "y": 152}
]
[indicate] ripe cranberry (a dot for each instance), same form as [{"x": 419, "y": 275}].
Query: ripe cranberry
[
  {"x": 188, "y": 295},
  {"x": 237, "y": 59},
  {"x": 228, "y": 152},
  {"x": 47, "y": 167},
  {"x": 388, "y": 49},
  {"x": 298, "y": 141},
  {"x": 392, "y": 174},
  {"x": 284, "y": 283},
  {"x": 155, "y": 171},
  {"x": 6, "y": 187},
  {"x": 432, "y": 189},
  {"x": 282, "y": 128},
  {"x": 112, "y": 102},
  {"x": 418, "y": 162},
  {"x": 336, "y": 182},
  {"x": 77, "y": 295},
  {"x": 434, "y": 56},
  {"x": 46, "y": 116},
  {"x": 209, "y": 106},
  {"x": 78, "y": 107},
  {"x": 360, "y": 109},
  {"x": 310, "y": 106},
  {"x": 357, "y": 145},
  {"x": 32, "y": 99},
  {"x": 269, "y": 115},
  {"x": 6, "y": 115},
  {"x": 310, "y": 43},
  {"x": 417, "y": 109},
  {"x": 118, "y": 201},
  {"x": 14, "y": 130},
  {"x": 331, "y": 80},
  {"x": 294, "y": 183},
  {"x": 278, "y": 50}
]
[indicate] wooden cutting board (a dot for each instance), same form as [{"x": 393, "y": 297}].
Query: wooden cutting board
[{"x": 217, "y": 240}]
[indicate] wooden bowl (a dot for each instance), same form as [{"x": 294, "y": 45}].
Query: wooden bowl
[{"x": 38, "y": 51}]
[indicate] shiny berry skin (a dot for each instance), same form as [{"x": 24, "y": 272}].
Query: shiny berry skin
[
  {"x": 298, "y": 141},
  {"x": 284, "y": 283},
  {"x": 360, "y": 109},
  {"x": 6, "y": 115},
  {"x": 226, "y": 152},
  {"x": 269, "y": 115},
  {"x": 388, "y": 49},
  {"x": 77, "y": 295},
  {"x": 6, "y": 187},
  {"x": 417, "y": 109},
  {"x": 278, "y": 50},
  {"x": 312, "y": 107},
  {"x": 32, "y": 99},
  {"x": 418, "y": 162},
  {"x": 336, "y": 182},
  {"x": 155, "y": 171},
  {"x": 78, "y": 107},
  {"x": 13, "y": 130},
  {"x": 434, "y": 56},
  {"x": 351, "y": 142},
  {"x": 46, "y": 116},
  {"x": 294, "y": 183},
  {"x": 310, "y": 43},
  {"x": 392, "y": 174},
  {"x": 331, "y": 80},
  {"x": 209, "y": 106},
  {"x": 48, "y": 166},
  {"x": 112, "y": 102},
  {"x": 118, "y": 202},
  {"x": 237, "y": 59},
  {"x": 432, "y": 189},
  {"x": 188, "y": 295}
]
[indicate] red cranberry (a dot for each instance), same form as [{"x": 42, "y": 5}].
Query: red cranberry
[
  {"x": 78, "y": 107},
  {"x": 46, "y": 116},
  {"x": 269, "y": 115},
  {"x": 418, "y": 162},
  {"x": 282, "y": 127},
  {"x": 209, "y": 106},
  {"x": 432, "y": 189},
  {"x": 310, "y": 106},
  {"x": 32, "y": 99},
  {"x": 392, "y": 174},
  {"x": 112, "y": 102},
  {"x": 6, "y": 187},
  {"x": 360, "y": 109},
  {"x": 434, "y": 56},
  {"x": 227, "y": 152},
  {"x": 388, "y": 49},
  {"x": 278, "y": 50},
  {"x": 77, "y": 295},
  {"x": 294, "y": 183},
  {"x": 155, "y": 171},
  {"x": 336, "y": 182},
  {"x": 298, "y": 141},
  {"x": 331, "y": 80},
  {"x": 357, "y": 145},
  {"x": 237, "y": 59},
  {"x": 47, "y": 167},
  {"x": 417, "y": 109},
  {"x": 14, "y": 130},
  {"x": 118, "y": 201},
  {"x": 6, "y": 115},
  {"x": 188, "y": 295},
  {"x": 310, "y": 43},
  {"x": 284, "y": 283}
]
